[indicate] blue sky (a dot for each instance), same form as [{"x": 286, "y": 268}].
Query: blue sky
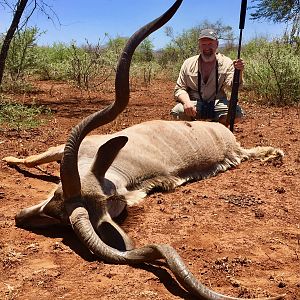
[{"x": 91, "y": 19}]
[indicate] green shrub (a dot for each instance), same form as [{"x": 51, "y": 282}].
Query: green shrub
[
  {"x": 19, "y": 116},
  {"x": 272, "y": 72},
  {"x": 22, "y": 54},
  {"x": 18, "y": 86},
  {"x": 53, "y": 62},
  {"x": 144, "y": 73},
  {"x": 86, "y": 65}
]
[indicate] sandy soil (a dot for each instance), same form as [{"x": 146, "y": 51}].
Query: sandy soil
[{"x": 238, "y": 232}]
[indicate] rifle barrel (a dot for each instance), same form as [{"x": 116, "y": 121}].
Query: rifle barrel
[{"x": 236, "y": 77}]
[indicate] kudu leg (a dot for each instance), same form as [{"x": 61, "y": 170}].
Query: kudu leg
[{"x": 52, "y": 154}]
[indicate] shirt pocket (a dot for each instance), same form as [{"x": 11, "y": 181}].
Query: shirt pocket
[{"x": 192, "y": 80}]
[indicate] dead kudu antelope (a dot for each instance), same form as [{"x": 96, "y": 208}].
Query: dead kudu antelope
[{"x": 102, "y": 174}]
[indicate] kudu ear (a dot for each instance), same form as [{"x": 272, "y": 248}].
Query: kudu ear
[{"x": 107, "y": 154}]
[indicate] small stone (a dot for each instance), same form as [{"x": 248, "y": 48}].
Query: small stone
[
  {"x": 281, "y": 284},
  {"x": 235, "y": 283},
  {"x": 280, "y": 190},
  {"x": 259, "y": 214}
]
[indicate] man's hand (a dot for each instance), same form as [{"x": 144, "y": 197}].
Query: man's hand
[
  {"x": 188, "y": 106},
  {"x": 239, "y": 64},
  {"x": 189, "y": 109}
]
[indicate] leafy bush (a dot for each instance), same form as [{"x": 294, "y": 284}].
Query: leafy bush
[
  {"x": 144, "y": 73},
  {"x": 272, "y": 71},
  {"x": 53, "y": 62},
  {"x": 18, "y": 86},
  {"x": 113, "y": 50},
  {"x": 144, "y": 52},
  {"x": 22, "y": 53},
  {"x": 19, "y": 116},
  {"x": 88, "y": 65}
]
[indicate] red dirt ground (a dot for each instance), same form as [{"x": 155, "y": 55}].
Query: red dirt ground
[{"x": 238, "y": 232}]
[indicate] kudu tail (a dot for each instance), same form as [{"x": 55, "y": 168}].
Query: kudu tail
[{"x": 264, "y": 153}]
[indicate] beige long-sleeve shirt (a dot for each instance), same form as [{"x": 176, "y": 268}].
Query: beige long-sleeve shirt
[{"x": 187, "y": 81}]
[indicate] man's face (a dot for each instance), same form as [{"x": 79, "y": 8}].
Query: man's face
[{"x": 208, "y": 49}]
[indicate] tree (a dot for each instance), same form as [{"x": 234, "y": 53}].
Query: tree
[
  {"x": 279, "y": 11},
  {"x": 113, "y": 49},
  {"x": 145, "y": 51},
  {"x": 18, "y": 9},
  {"x": 22, "y": 53}
]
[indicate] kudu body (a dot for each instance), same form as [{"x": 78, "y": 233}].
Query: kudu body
[{"x": 102, "y": 174}]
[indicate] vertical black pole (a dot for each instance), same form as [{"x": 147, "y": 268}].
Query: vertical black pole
[{"x": 236, "y": 75}]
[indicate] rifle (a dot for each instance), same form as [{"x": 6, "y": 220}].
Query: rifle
[{"x": 236, "y": 76}]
